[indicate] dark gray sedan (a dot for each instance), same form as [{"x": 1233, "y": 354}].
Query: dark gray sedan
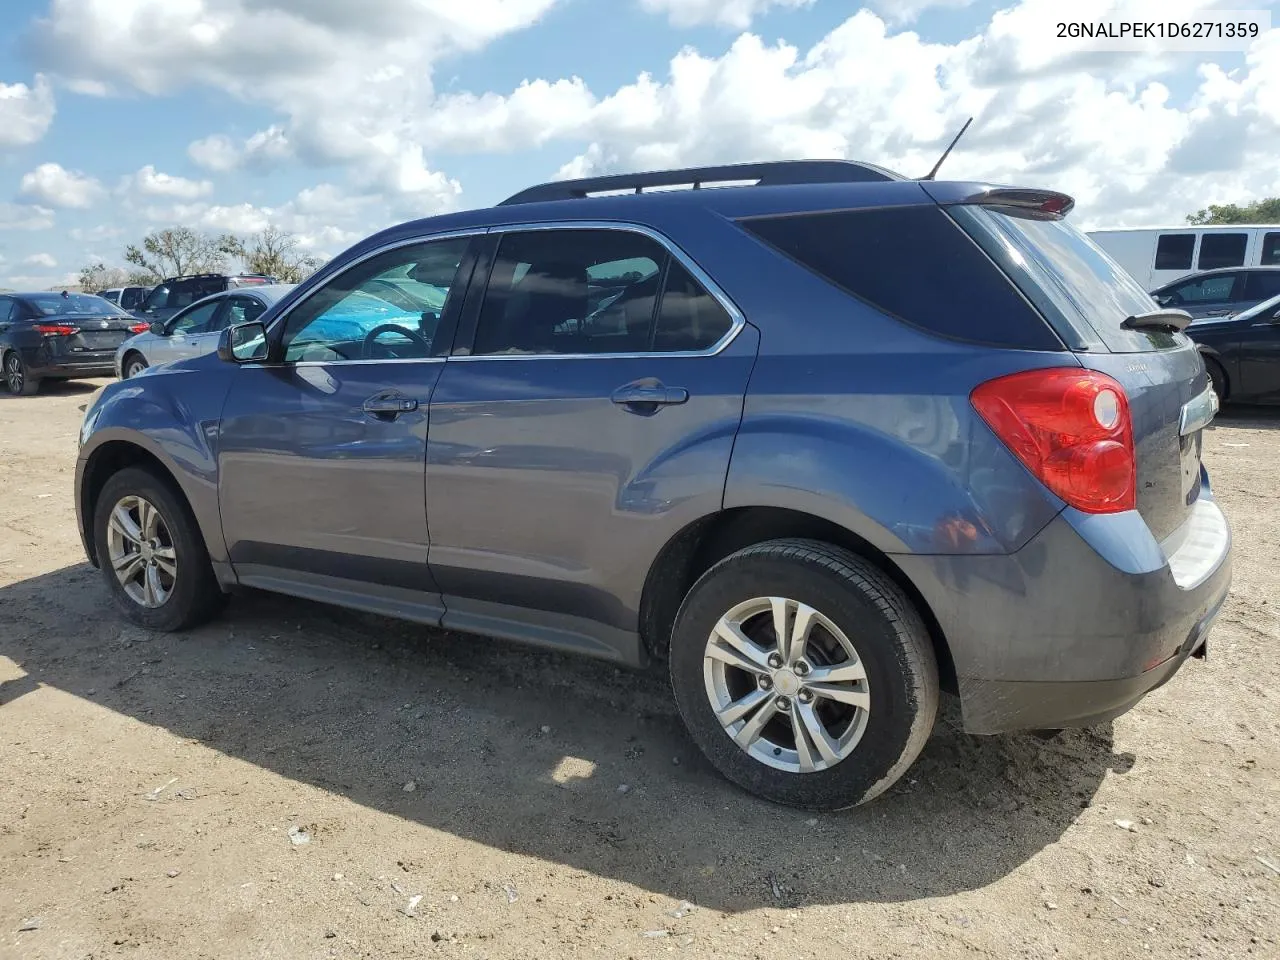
[{"x": 194, "y": 331}]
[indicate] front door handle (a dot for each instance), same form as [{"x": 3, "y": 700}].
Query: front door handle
[
  {"x": 389, "y": 405},
  {"x": 648, "y": 395}
]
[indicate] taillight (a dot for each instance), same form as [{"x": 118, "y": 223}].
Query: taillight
[
  {"x": 56, "y": 330},
  {"x": 1071, "y": 428},
  {"x": 140, "y": 328}
]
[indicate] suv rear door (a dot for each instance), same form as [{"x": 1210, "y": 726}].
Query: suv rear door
[{"x": 586, "y": 414}]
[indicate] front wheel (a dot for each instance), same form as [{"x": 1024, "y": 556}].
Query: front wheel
[
  {"x": 804, "y": 674},
  {"x": 17, "y": 378},
  {"x": 152, "y": 554},
  {"x": 1217, "y": 379},
  {"x": 133, "y": 366}
]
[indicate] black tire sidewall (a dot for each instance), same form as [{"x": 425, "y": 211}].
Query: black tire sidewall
[
  {"x": 1217, "y": 379},
  {"x": 196, "y": 590},
  {"x": 876, "y": 635}
]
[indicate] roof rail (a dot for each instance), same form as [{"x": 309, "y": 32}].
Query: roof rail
[{"x": 776, "y": 173}]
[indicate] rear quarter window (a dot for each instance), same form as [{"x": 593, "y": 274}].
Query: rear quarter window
[{"x": 916, "y": 264}]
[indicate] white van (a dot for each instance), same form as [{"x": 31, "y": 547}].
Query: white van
[{"x": 1156, "y": 255}]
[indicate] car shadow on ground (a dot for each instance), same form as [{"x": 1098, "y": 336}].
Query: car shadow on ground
[
  {"x": 1249, "y": 417},
  {"x": 529, "y": 752},
  {"x": 66, "y": 388}
]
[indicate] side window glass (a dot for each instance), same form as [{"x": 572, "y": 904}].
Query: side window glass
[
  {"x": 182, "y": 294},
  {"x": 159, "y": 297},
  {"x": 690, "y": 318},
  {"x": 241, "y": 310},
  {"x": 1222, "y": 250},
  {"x": 1270, "y": 250},
  {"x": 571, "y": 292},
  {"x": 386, "y": 308},
  {"x": 6, "y": 308},
  {"x": 195, "y": 320},
  {"x": 1204, "y": 291},
  {"x": 1173, "y": 251},
  {"x": 1262, "y": 285}
]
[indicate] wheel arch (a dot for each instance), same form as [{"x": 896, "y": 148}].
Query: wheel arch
[
  {"x": 106, "y": 460},
  {"x": 706, "y": 541}
]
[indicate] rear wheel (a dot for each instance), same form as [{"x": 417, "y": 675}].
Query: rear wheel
[
  {"x": 804, "y": 674},
  {"x": 17, "y": 378},
  {"x": 1217, "y": 378},
  {"x": 152, "y": 554},
  {"x": 133, "y": 365}
]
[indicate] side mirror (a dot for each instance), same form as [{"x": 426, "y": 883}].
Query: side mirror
[
  {"x": 1275, "y": 317},
  {"x": 157, "y": 327},
  {"x": 243, "y": 343}
]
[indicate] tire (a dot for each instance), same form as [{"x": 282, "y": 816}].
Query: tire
[
  {"x": 190, "y": 595},
  {"x": 16, "y": 376},
  {"x": 134, "y": 364},
  {"x": 873, "y": 746},
  {"x": 1217, "y": 379}
]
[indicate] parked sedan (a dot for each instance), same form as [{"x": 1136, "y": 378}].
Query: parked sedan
[
  {"x": 1242, "y": 353},
  {"x": 59, "y": 336},
  {"x": 1220, "y": 293},
  {"x": 194, "y": 331}
]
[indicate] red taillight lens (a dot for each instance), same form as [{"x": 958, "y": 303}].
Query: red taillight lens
[
  {"x": 140, "y": 328},
  {"x": 1071, "y": 428},
  {"x": 56, "y": 329}
]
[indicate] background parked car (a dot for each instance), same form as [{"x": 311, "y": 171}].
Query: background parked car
[
  {"x": 59, "y": 336},
  {"x": 128, "y": 298},
  {"x": 1220, "y": 293},
  {"x": 195, "y": 330},
  {"x": 176, "y": 293},
  {"x": 1242, "y": 353}
]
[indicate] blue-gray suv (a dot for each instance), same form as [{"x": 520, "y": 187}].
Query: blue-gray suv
[{"x": 824, "y": 440}]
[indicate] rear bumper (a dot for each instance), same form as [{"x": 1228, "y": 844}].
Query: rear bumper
[
  {"x": 41, "y": 365},
  {"x": 1081, "y": 623}
]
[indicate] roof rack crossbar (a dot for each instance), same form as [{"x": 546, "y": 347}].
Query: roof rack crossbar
[{"x": 777, "y": 173}]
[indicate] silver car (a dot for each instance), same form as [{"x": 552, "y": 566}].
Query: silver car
[{"x": 194, "y": 331}]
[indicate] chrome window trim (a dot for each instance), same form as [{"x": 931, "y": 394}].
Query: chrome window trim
[{"x": 737, "y": 320}]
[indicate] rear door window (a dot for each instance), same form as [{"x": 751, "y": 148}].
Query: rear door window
[
  {"x": 1215, "y": 289},
  {"x": 914, "y": 263},
  {"x": 1222, "y": 250},
  {"x": 1261, "y": 285},
  {"x": 1173, "y": 251}
]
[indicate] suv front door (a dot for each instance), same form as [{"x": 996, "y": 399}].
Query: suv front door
[
  {"x": 322, "y": 448},
  {"x": 586, "y": 415}
]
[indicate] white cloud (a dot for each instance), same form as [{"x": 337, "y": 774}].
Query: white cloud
[
  {"x": 908, "y": 11},
  {"x": 149, "y": 182},
  {"x": 40, "y": 260},
  {"x": 50, "y": 184},
  {"x": 25, "y": 112},
  {"x": 95, "y": 234},
  {"x": 217, "y": 153},
  {"x": 264, "y": 150},
  {"x": 22, "y": 216},
  {"x": 736, "y": 14}
]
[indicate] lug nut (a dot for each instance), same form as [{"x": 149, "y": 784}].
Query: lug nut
[
  {"x": 782, "y": 703},
  {"x": 801, "y": 668},
  {"x": 806, "y": 696},
  {"x": 766, "y": 683},
  {"x": 775, "y": 661}
]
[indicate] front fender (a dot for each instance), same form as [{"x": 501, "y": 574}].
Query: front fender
[
  {"x": 908, "y": 474},
  {"x": 171, "y": 417}
]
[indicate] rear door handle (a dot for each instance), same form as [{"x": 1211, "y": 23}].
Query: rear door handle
[
  {"x": 650, "y": 394},
  {"x": 389, "y": 405}
]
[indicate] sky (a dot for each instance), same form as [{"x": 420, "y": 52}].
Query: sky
[{"x": 335, "y": 118}]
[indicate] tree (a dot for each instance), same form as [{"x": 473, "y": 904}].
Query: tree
[
  {"x": 1260, "y": 211},
  {"x": 181, "y": 250},
  {"x": 274, "y": 252},
  {"x": 97, "y": 277}
]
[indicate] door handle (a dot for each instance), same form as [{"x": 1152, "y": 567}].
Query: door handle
[
  {"x": 389, "y": 405},
  {"x": 649, "y": 394}
]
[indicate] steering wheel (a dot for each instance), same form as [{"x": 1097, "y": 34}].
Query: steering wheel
[{"x": 372, "y": 336}]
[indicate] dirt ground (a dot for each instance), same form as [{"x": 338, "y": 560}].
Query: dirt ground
[{"x": 153, "y": 787}]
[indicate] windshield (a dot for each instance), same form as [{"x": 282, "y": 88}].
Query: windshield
[
  {"x": 1067, "y": 276},
  {"x": 60, "y": 304}
]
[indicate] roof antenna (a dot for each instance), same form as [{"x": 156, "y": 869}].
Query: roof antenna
[{"x": 946, "y": 153}]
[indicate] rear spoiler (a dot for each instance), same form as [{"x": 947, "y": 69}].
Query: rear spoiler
[{"x": 1019, "y": 201}]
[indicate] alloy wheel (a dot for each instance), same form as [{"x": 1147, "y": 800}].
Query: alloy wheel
[
  {"x": 140, "y": 548},
  {"x": 13, "y": 373},
  {"x": 786, "y": 684}
]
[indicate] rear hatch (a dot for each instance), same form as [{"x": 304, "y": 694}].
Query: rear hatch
[
  {"x": 85, "y": 338},
  {"x": 1086, "y": 296}
]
